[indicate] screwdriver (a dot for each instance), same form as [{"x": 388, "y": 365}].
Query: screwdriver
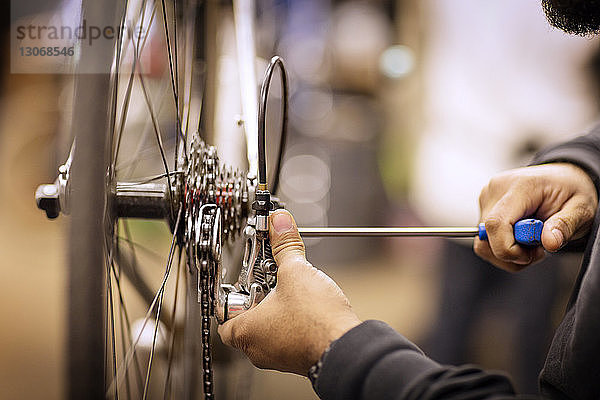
[{"x": 528, "y": 232}]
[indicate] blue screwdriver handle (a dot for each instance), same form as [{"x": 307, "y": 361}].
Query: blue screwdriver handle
[{"x": 528, "y": 232}]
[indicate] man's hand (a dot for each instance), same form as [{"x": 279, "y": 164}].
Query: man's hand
[
  {"x": 291, "y": 328},
  {"x": 560, "y": 194}
]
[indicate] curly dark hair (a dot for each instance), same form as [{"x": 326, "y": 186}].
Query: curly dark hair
[{"x": 579, "y": 17}]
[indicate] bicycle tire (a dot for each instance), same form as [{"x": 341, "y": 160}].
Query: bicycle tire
[{"x": 85, "y": 366}]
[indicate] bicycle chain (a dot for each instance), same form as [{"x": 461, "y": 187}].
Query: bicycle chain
[
  {"x": 209, "y": 184},
  {"x": 206, "y": 282}
]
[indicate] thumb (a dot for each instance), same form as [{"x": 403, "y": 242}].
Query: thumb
[
  {"x": 285, "y": 239},
  {"x": 573, "y": 220}
]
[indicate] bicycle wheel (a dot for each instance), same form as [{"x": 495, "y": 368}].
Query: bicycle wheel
[
  {"x": 138, "y": 331},
  {"x": 102, "y": 340}
]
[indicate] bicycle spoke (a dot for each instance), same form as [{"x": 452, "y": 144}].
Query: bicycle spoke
[
  {"x": 129, "y": 356},
  {"x": 142, "y": 288},
  {"x": 140, "y": 152},
  {"x": 139, "y": 16},
  {"x": 139, "y": 246},
  {"x": 151, "y": 358},
  {"x": 156, "y": 131},
  {"x": 177, "y": 105},
  {"x": 122, "y": 324},
  {"x": 130, "y": 267},
  {"x": 112, "y": 324},
  {"x": 149, "y": 179},
  {"x": 153, "y": 348},
  {"x": 172, "y": 68},
  {"x": 131, "y": 246},
  {"x": 175, "y": 58},
  {"x": 188, "y": 78},
  {"x": 173, "y": 331},
  {"x": 125, "y": 107},
  {"x": 127, "y": 333},
  {"x": 158, "y": 312},
  {"x": 115, "y": 94},
  {"x": 125, "y": 314},
  {"x": 139, "y": 49},
  {"x": 187, "y": 105}
]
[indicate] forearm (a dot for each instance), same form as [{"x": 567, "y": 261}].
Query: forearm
[{"x": 372, "y": 361}]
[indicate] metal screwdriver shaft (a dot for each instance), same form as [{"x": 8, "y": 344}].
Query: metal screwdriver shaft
[
  {"x": 527, "y": 232},
  {"x": 385, "y": 231}
]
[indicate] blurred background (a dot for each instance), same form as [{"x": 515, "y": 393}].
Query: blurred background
[{"x": 400, "y": 111}]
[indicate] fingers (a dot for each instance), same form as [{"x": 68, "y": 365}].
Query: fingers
[
  {"x": 501, "y": 248},
  {"x": 225, "y": 333},
  {"x": 233, "y": 332},
  {"x": 482, "y": 249},
  {"x": 288, "y": 251},
  {"x": 244, "y": 334},
  {"x": 499, "y": 224},
  {"x": 286, "y": 243},
  {"x": 574, "y": 217}
]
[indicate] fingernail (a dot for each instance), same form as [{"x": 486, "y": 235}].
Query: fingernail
[
  {"x": 558, "y": 235},
  {"x": 282, "y": 222}
]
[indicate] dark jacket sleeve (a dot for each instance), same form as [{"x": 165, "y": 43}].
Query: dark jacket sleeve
[
  {"x": 373, "y": 361},
  {"x": 571, "y": 369},
  {"x": 583, "y": 151}
]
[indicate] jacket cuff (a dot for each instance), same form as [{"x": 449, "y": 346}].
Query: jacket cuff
[{"x": 353, "y": 357}]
